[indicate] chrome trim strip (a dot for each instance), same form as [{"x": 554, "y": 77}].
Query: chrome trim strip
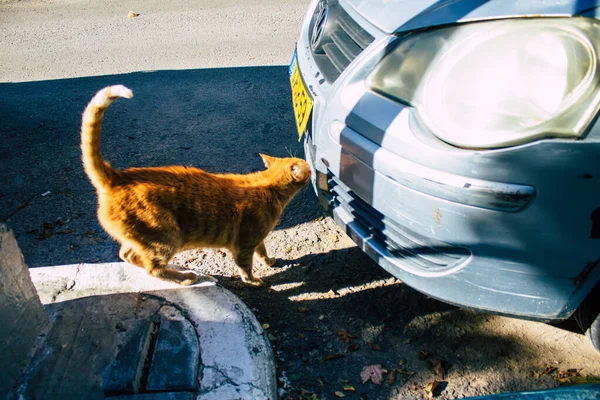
[{"x": 499, "y": 196}]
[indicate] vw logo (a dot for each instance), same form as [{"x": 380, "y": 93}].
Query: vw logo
[{"x": 319, "y": 27}]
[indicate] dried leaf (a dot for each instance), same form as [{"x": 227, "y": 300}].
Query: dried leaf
[
  {"x": 306, "y": 392},
  {"x": 438, "y": 367},
  {"x": 569, "y": 373},
  {"x": 566, "y": 377},
  {"x": 131, "y": 14},
  {"x": 353, "y": 347},
  {"x": 345, "y": 336},
  {"x": 549, "y": 370},
  {"x": 266, "y": 326},
  {"x": 423, "y": 354},
  {"x": 349, "y": 388},
  {"x": 430, "y": 389},
  {"x": 288, "y": 250},
  {"x": 320, "y": 382},
  {"x": 392, "y": 377},
  {"x": 338, "y": 394},
  {"x": 375, "y": 347},
  {"x": 406, "y": 372},
  {"x": 374, "y": 373},
  {"x": 45, "y": 235},
  {"x": 303, "y": 309},
  {"x": 333, "y": 356}
]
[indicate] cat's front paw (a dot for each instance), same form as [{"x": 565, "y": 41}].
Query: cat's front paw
[
  {"x": 254, "y": 282},
  {"x": 270, "y": 261},
  {"x": 189, "y": 278}
]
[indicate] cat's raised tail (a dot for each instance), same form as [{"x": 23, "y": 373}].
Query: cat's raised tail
[{"x": 99, "y": 171}]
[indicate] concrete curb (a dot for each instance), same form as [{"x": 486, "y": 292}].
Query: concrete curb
[{"x": 236, "y": 359}]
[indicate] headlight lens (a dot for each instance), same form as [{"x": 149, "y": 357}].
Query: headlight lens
[{"x": 497, "y": 83}]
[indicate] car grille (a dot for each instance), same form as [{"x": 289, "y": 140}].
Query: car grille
[
  {"x": 398, "y": 242},
  {"x": 341, "y": 42}
]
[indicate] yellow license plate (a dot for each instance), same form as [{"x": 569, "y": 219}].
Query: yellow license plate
[{"x": 301, "y": 100}]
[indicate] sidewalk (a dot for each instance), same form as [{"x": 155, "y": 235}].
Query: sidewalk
[{"x": 115, "y": 332}]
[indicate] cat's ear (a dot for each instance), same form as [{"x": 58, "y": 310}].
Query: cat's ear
[
  {"x": 297, "y": 171},
  {"x": 268, "y": 160}
]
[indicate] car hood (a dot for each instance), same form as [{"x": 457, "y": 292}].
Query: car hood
[{"x": 418, "y": 14}]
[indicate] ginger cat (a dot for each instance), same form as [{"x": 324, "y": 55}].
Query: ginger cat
[{"x": 156, "y": 212}]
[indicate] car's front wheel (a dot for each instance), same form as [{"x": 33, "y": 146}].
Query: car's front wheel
[{"x": 588, "y": 316}]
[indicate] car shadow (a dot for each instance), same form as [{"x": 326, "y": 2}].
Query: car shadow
[{"x": 338, "y": 312}]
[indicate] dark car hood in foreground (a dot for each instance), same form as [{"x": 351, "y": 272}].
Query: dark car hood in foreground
[{"x": 417, "y": 14}]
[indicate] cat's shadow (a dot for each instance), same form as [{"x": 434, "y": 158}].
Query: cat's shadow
[{"x": 342, "y": 277}]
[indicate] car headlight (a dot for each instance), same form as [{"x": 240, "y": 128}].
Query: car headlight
[{"x": 497, "y": 83}]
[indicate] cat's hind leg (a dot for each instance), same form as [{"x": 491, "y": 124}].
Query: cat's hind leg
[
  {"x": 156, "y": 263},
  {"x": 261, "y": 254},
  {"x": 243, "y": 259}
]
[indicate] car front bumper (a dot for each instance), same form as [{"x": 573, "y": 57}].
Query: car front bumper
[{"x": 490, "y": 230}]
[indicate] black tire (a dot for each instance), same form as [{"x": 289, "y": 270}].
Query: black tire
[{"x": 588, "y": 316}]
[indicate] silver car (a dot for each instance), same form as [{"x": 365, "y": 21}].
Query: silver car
[{"x": 457, "y": 143}]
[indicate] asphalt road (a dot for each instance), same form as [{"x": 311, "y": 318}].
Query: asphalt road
[
  {"x": 211, "y": 90},
  {"x": 43, "y": 40}
]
